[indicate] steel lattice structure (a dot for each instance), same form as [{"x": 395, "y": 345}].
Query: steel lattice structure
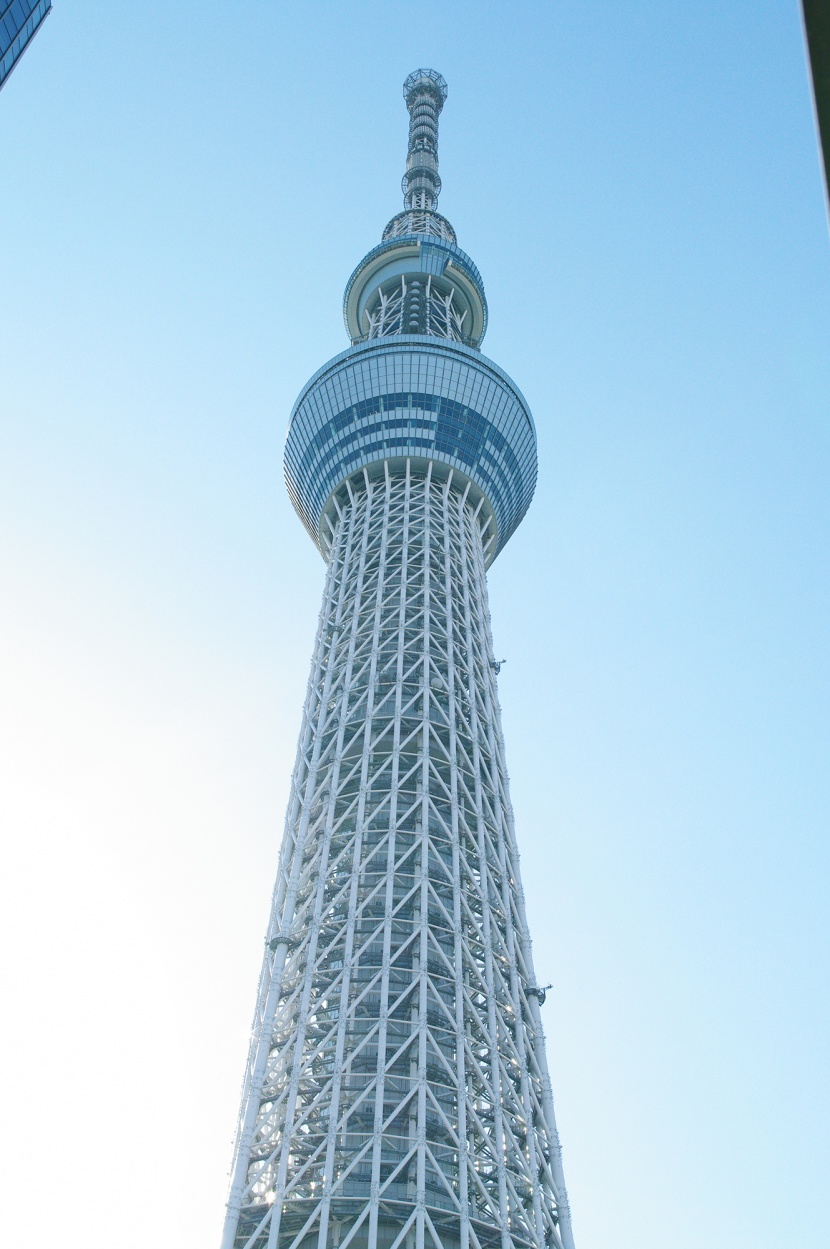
[{"x": 396, "y": 1094}]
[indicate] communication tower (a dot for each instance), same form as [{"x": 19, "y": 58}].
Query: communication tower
[{"x": 397, "y": 1094}]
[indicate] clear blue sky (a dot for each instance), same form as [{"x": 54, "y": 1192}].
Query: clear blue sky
[{"x": 186, "y": 188}]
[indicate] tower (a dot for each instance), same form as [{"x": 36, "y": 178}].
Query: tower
[{"x": 396, "y": 1094}]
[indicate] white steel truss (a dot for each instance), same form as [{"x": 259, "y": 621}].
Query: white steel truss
[
  {"x": 396, "y": 1094},
  {"x": 420, "y": 221},
  {"x": 415, "y": 307}
]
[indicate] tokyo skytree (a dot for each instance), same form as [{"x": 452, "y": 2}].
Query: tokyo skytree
[{"x": 396, "y": 1094}]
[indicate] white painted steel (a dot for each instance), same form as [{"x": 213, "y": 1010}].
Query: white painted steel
[
  {"x": 419, "y": 306},
  {"x": 396, "y": 1093}
]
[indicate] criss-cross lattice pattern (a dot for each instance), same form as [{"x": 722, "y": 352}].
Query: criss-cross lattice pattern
[
  {"x": 417, "y": 306},
  {"x": 397, "y": 1093},
  {"x": 419, "y": 221}
]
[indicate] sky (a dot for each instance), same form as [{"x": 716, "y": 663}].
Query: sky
[{"x": 185, "y": 191}]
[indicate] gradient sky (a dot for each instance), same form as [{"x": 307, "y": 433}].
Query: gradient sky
[{"x": 186, "y": 188}]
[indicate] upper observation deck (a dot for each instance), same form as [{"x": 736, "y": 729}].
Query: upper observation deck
[{"x": 414, "y": 385}]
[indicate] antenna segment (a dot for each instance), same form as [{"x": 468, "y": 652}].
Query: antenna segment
[{"x": 425, "y": 92}]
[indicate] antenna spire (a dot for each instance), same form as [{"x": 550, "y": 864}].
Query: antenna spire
[{"x": 425, "y": 92}]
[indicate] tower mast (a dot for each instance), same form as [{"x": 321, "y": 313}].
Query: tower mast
[{"x": 396, "y": 1094}]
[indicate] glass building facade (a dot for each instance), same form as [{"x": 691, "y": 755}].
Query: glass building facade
[{"x": 19, "y": 21}]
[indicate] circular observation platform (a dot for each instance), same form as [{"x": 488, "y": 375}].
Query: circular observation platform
[
  {"x": 423, "y": 257},
  {"x": 417, "y": 398}
]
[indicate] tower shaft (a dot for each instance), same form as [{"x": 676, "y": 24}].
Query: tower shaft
[
  {"x": 396, "y": 1091},
  {"x": 396, "y": 1094}
]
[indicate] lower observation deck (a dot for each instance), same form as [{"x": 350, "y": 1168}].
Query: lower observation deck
[{"x": 413, "y": 398}]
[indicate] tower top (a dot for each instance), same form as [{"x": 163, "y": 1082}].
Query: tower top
[
  {"x": 428, "y": 79},
  {"x": 418, "y": 281},
  {"x": 413, "y": 388},
  {"x": 425, "y": 92}
]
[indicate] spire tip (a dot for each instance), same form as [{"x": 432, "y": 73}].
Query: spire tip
[{"x": 428, "y": 80}]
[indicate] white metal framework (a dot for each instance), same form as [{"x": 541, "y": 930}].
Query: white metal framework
[
  {"x": 396, "y": 1093},
  {"x": 416, "y": 306},
  {"x": 419, "y": 221}
]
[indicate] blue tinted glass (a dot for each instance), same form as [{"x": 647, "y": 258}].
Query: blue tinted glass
[{"x": 471, "y": 417}]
